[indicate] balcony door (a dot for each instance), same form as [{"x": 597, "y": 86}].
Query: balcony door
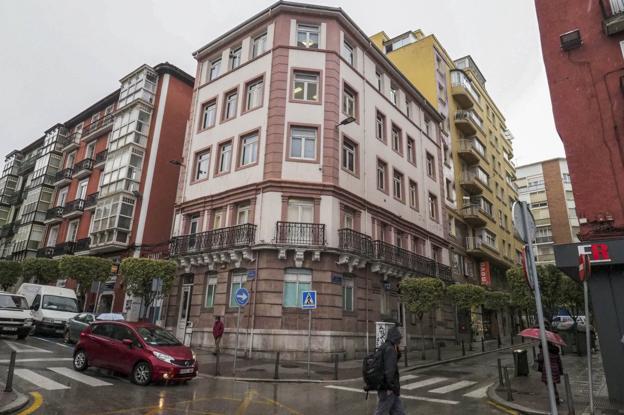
[
  {"x": 301, "y": 217},
  {"x": 90, "y": 150},
  {"x": 193, "y": 229},
  {"x": 52, "y": 236},
  {"x": 72, "y": 231},
  {"x": 81, "y": 192},
  {"x": 62, "y": 197},
  {"x": 69, "y": 161}
]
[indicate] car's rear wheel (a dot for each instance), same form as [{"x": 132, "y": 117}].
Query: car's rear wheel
[
  {"x": 80, "y": 361},
  {"x": 142, "y": 373}
]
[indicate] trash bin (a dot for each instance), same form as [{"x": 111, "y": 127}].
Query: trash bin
[{"x": 521, "y": 362}]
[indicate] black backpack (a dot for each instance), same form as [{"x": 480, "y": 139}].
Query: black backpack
[{"x": 373, "y": 371}]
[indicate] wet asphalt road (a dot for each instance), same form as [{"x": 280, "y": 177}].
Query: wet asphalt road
[{"x": 44, "y": 370}]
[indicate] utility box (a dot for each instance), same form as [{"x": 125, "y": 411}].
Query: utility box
[{"x": 521, "y": 362}]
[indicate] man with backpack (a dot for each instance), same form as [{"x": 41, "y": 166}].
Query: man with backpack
[{"x": 381, "y": 373}]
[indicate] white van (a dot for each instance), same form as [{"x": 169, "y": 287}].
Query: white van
[
  {"x": 15, "y": 317},
  {"x": 51, "y": 306}
]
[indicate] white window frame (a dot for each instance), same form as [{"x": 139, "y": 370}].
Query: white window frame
[
  {"x": 349, "y": 100},
  {"x": 258, "y": 45},
  {"x": 201, "y": 157},
  {"x": 209, "y": 114},
  {"x": 211, "y": 281},
  {"x": 349, "y": 155},
  {"x": 249, "y": 149},
  {"x": 432, "y": 206},
  {"x": 348, "y": 290},
  {"x": 230, "y": 102},
  {"x": 243, "y": 214},
  {"x": 225, "y": 157},
  {"x": 308, "y": 31},
  {"x": 215, "y": 69},
  {"x": 254, "y": 94},
  {"x": 413, "y": 194},
  {"x": 305, "y": 79},
  {"x": 236, "y": 279},
  {"x": 382, "y": 171},
  {"x": 411, "y": 150},
  {"x": 380, "y": 126},
  {"x": 303, "y": 280},
  {"x": 72, "y": 231},
  {"x": 305, "y": 135},
  {"x": 348, "y": 52},
  {"x": 397, "y": 184},
  {"x": 236, "y": 55}
]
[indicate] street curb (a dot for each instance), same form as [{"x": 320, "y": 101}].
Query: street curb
[
  {"x": 460, "y": 358},
  {"x": 491, "y": 393},
  {"x": 20, "y": 402}
]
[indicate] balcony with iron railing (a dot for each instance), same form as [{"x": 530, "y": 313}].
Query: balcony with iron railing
[
  {"x": 91, "y": 201},
  {"x": 474, "y": 181},
  {"x": 475, "y": 215},
  {"x": 65, "y": 248},
  {"x": 471, "y": 150},
  {"x": 54, "y": 214},
  {"x": 83, "y": 168},
  {"x": 612, "y": 16},
  {"x": 300, "y": 234},
  {"x": 82, "y": 245},
  {"x": 479, "y": 247},
  {"x": 74, "y": 208},
  {"x": 239, "y": 236},
  {"x": 100, "y": 159},
  {"x": 72, "y": 141},
  {"x": 63, "y": 177},
  {"x": 463, "y": 91},
  {"x": 97, "y": 127},
  {"x": 468, "y": 122},
  {"x": 355, "y": 242},
  {"x": 45, "y": 252}
]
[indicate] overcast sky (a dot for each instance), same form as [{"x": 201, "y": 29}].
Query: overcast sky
[{"x": 58, "y": 57}]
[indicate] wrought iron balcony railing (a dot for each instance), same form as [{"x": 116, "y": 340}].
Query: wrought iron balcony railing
[
  {"x": 90, "y": 200},
  {"x": 356, "y": 242},
  {"x": 99, "y": 124},
  {"x": 391, "y": 254},
  {"x": 76, "y": 205},
  {"x": 45, "y": 252},
  {"x": 55, "y": 212},
  {"x": 82, "y": 245},
  {"x": 217, "y": 239},
  {"x": 65, "y": 248},
  {"x": 84, "y": 165},
  {"x": 297, "y": 233},
  {"x": 65, "y": 174}
]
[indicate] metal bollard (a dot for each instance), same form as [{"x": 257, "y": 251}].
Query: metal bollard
[
  {"x": 499, "y": 341},
  {"x": 405, "y": 356},
  {"x": 511, "y": 337},
  {"x": 508, "y": 384},
  {"x": 336, "y": 366},
  {"x": 217, "y": 372},
  {"x": 9, "y": 381},
  {"x": 569, "y": 396},
  {"x": 463, "y": 349},
  {"x": 482, "y": 345},
  {"x": 276, "y": 374},
  {"x": 439, "y": 352},
  {"x": 501, "y": 381}
]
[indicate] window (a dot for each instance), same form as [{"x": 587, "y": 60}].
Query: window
[
  {"x": 382, "y": 172},
  {"x": 209, "y": 114},
  {"x": 295, "y": 282},
  {"x": 249, "y": 149},
  {"x": 52, "y": 236},
  {"x": 569, "y": 195},
  {"x": 408, "y": 108},
  {"x": 90, "y": 150},
  {"x": 301, "y": 211},
  {"x": 242, "y": 214},
  {"x": 348, "y": 220},
  {"x": 254, "y": 94},
  {"x": 215, "y": 69},
  {"x": 411, "y": 150},
  {"x": 236, "y": 281},
  {"x": 81, "y": 190},
  {"x": 380, "y": 126},
  {"x": 433, "y": 207},
  {"x": 218, "y": 219},
  {"x": 396, "y": 139},
  {"x": 303, "y": 143},
  {"x": 306, "y": 86},
  {"x": 428, "y": 127},
  {"x": 394, "y": 94},
  {"x": 308, "y": 36},
  {"x": 349, "y": 155},
  {"x": 193, "y": 228},
  {"x": 225, "y": 158},
  {"x": 450, "y": 192},
  {"x": 379, "y": 77},
  {"x": 62, "y": 196},
  {"x": 431, "y": 166},
  {"x": 489, "y": 239},
  {"x": 231, "y": 100},
  {"x": 235, "y": 57},
  {"x": 95, "y": 117},
  {"x": 413, "y": 194},
  {"x": 69, "y": 161},
  {"x": 397, "y": 185},
  {"x": 566, "y": 176},
  {"x": 72, "y": 231},
  {"x": 347, "y": 294},
  {"x": 348, "y": 52},
  {"x": 258, "y": 46},
  {"x": 349, "y": 102},
  {"x": 202, "y": 163},
  {"x": 211, "y": 289}
]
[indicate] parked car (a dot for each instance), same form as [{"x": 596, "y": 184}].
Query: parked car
[
  {"x": 144, "y": 351},
  {"x": 51, "y": 306},
  {"x": 78, "y": 323},
  {"x": 565, "y": 322},
  {"x": 15, "y": 317}
]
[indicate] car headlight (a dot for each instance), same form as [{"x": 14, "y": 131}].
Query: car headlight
[
  {"x": 163, "y": 357},
  {"x": 28, "y": 322},
  {"x": 194, "y": 355}
]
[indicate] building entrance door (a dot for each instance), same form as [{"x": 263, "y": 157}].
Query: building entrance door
[{"x": 185, "y": 307}]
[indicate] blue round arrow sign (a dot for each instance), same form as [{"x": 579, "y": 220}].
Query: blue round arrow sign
[{"x": 242, "y": 297}]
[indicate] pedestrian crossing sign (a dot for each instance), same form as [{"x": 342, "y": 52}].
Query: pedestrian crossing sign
[{"x": 308, "y": 300}]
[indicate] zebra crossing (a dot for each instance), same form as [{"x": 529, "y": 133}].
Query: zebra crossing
[
  {"x": 57, "y": 378},
  {"x": 438, "y": 386}
]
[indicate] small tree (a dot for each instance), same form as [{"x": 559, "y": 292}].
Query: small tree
[
  {"x": 572, "y": 297},
  {"x": 40, "y": 270},
  {"x": 10, "y": 271},
  {"x": 550, "y": 289},
  {"x": 521, "y": 296},
  {"x": 85, "y": 270},
  {"x": 421, "y": 295},
  {"x": 139, "y": 274},
  {"x": 465, "y": 297}
]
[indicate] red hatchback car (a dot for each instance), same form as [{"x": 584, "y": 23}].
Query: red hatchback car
[{"x": 142, "y": 350}]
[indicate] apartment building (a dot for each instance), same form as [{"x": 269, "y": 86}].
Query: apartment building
[
  {"x": 89, "y": 185},
  {"x": 479, "y": 171},
  {"x": 310, "y": 162},
  {"x": 547, "y": 188}
]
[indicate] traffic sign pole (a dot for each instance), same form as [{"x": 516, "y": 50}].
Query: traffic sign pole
[
  {"x": 237, "y": 331},
  {"x": 538, "y": 303},
  {"x": 309, "y": 338},
  {"x": 242, "y": 298},
  {"x": 584, "y": 274}
]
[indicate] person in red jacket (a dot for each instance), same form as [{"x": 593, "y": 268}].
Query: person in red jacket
[{"x": 217, "y": 332}]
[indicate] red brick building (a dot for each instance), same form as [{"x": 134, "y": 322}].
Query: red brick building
[{"x": 582, "y": 48}]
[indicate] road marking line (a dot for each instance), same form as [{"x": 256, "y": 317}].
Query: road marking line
[
  {"x": 39, "y": 359},
  {"x": 24, "y": 348},
  {"x": 405, "y": 378},
  {"x": 453, "y": 386},
  {"x": 423, "y": 383},
  {"x": 38, "y": 380},
  {"x": 478, "y": 393},
  {"x": 250, "y": 395},
  {"x": 38, "y": 401},
  {"x": 72, "y": 374},
  {"x": 502, "y": 408},
  {"x": 410, "y": 397},
  {"x": 50, "y": 341}
]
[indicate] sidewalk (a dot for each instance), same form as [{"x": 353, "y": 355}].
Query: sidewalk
[
  {"x": 11, "y": 402},
  {"x": 530, "y": 395},
  {"x": 264, "y": 370}
]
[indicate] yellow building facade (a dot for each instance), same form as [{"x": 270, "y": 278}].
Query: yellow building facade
[{"x": 478, "y": 168}]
